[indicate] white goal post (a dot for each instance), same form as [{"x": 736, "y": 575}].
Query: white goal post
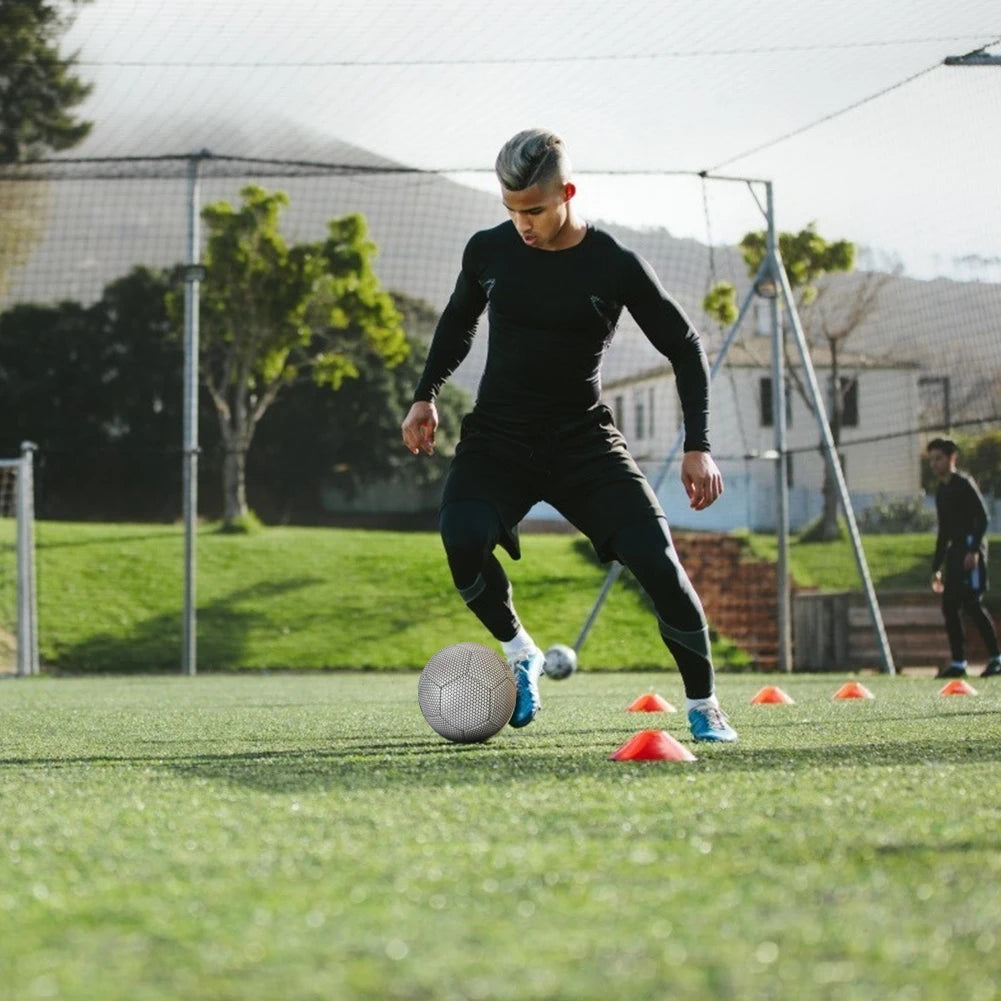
[{"x": 18, "y": 600}]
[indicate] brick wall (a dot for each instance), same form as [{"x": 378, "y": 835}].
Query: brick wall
[{"x": 739, "y": 593}]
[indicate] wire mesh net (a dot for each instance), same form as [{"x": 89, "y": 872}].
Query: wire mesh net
[
  {"x": 912, "y": 355},
  {"x": 889, "y": 149}
]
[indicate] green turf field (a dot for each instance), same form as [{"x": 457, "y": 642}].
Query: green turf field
[{"x": 303, "y": 837}]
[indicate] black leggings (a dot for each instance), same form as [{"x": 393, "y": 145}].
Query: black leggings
[
  {"x": 961, "y": 599},
  {"x": 471, "y": 529}
]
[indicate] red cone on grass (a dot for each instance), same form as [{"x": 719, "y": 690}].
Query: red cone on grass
[
  {"x": 958, "y": 687},
  {"x": 652, "y": 745},
  {"x": 771, "y": 695},
  {"x": 853, "y": 690},
  {"x": 651, "y": 703}
]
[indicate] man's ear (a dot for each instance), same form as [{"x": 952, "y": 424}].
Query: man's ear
[{"x": 569, "y": 190}]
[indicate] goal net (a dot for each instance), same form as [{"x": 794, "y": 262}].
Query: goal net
[{"x": 904, "y": 346}]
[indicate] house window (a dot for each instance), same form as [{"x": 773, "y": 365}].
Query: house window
[
  {"x": 639, "y": 412},
  {"x": 765, "y": 403},
  {"x": 649, "y": 412},
  {"x": 762, "y": 319},
  {"x": 619, "y": 409},
  {"x": 849, "y": 398}
]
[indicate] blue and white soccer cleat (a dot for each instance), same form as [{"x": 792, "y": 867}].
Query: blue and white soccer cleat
[
  {"x": 527, "y": 667},
  {"x": 708, "y": 723}
]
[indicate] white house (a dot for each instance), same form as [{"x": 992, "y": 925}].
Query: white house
[{"x": 880, "y": 446}]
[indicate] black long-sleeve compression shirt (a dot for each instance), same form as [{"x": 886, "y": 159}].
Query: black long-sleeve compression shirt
[
  {"x": 962, "y": 519},
  {"x": 552, "y": 315}
]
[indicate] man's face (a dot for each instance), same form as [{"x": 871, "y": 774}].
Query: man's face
[
  {"x": 940, "y": 463},
  {"x": 540, "y": 213}
]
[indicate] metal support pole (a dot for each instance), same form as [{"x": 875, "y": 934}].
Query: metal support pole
[
  {"x": 193, "y": 273},
  {"x": 27, "y": 602},
  {"x": 836, "y": 471},
  {"x": 783, "y": 609}
]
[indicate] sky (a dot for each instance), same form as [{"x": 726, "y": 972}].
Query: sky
[{"x": 885, "y": 145}]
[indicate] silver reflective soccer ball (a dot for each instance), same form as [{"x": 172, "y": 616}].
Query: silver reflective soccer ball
[{"x": 466, "y": 693}]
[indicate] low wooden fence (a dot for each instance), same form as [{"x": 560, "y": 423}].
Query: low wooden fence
[{"x": 833, "y": 631}]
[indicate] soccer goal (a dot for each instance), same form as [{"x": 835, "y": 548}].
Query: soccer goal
[{"x": 18, "y": 605}]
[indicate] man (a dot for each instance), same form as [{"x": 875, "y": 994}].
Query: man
[
  {"x": 961, "y": 547},
  {"x": 554, "y": 287}
]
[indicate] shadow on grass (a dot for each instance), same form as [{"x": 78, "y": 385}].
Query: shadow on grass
[
  {"x": 155, "y": 644},
  {"x": 912, "y": 577},
  {"x": 165, "y": 532},
  {"x": 430, "y": 763},
  {"x": 426, "y": 762}
]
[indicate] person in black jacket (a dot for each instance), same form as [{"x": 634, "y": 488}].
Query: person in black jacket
[
  {"x": 959, "y": 566},
  {"x": 554, "y": 287}
]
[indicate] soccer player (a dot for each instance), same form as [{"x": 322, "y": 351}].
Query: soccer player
[
  {"x": 554, "y": 287},
  {"x": 961, "y": 548}
]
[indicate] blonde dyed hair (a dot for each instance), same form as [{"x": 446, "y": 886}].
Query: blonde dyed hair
[{"x": 534, "y": 156}]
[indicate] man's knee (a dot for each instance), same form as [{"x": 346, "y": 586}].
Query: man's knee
[
  {"x": 469, "y": 531},
  {"x": 647, "y": 550}
]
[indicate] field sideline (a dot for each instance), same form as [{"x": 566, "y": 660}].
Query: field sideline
[{"x": 292, "y": 836}]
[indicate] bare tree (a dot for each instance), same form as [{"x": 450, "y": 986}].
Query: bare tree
[{"x": 839, "y": 306}]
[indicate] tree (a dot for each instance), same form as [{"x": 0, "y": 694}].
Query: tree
[
  {"x": 37, "y": 86},
  {"x": 273, "y": 315},
  {"x": 99, "y": 389},
  {"x": 830, "y": 312},
  {"x": 313, "y": 441},
  {"x": 37, "y": 92}
]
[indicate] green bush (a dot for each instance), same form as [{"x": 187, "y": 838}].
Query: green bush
[
  {"x": 893, "y": 517},
  {"x": 814, "y": 531},
  {"x": 247, "y": 524}
]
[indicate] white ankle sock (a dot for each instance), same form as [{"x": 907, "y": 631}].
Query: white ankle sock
[
  {"x": 691, "y": 704},
  {"x": 517, "y": 643}
]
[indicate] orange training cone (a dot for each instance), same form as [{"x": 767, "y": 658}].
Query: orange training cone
[
  {"x": 651, "y": 703},
  {"x": 771, "y": 695},
  {"x": 853, "y": 690},
  {"x": 958, "y": 687},
  {"x": 652, "y": 745}
]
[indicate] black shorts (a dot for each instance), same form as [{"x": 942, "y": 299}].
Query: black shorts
[{"x": 582, "y": 468}]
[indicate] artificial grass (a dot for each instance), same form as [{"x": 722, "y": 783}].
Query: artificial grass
[{"x": 308, "y": 837}]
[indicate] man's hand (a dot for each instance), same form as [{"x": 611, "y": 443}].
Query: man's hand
[
  {"x": 936, "y": 582},
  {"x": 702, "y": 479},
  {"x": 970, "y": 560},
  {"x": 419, "y": 427}
]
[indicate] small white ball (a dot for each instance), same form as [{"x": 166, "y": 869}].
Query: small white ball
[{"x": 561, "y": 662}]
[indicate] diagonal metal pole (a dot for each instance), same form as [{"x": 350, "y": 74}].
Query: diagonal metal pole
[
  {"x": 835, "y": 464},
  {"x": 616, "y": 568},
  {"x": 783, "y": 604}
]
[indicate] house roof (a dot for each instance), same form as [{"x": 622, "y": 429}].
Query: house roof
[{"x": 757, "y": 355}]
